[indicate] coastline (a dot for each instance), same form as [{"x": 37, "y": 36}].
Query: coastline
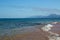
[
  {"x": 33, "y": 33},
  {"x": 53, "y": 29},
  {"x": 26, "y": 33}
]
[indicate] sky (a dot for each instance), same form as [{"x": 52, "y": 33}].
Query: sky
[{"x": 27, "y": 8}]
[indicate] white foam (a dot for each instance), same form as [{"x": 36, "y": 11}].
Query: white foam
[
  {"x": 47, "y": 27},
  {"x": 54, "y": 22}
]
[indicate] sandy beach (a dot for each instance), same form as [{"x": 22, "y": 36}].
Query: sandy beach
[
  {"x": 31, "y": 33},
  {"x": 37, "y": 35},
  {"x": 56, "y": 28}
]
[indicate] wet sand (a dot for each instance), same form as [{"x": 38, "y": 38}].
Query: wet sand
[
  {"x": 56, "y": 28},
  {"x": 37, "y": 35},
  {"x": 32, "y": 33}
]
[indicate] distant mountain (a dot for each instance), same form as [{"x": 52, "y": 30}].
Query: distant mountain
[
  {"x": 49, "y": 16},
  {"x": 53, "y": 16}
]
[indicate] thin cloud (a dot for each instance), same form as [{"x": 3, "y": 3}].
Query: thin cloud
[{"x": 47, "y": 10}]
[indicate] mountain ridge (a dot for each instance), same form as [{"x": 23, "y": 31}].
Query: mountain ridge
[{"x": 49, "y": 16}]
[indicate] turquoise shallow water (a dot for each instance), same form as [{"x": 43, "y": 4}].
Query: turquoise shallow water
[{"x": 8, "y": 24}]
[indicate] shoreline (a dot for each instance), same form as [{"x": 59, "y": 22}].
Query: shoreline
[
  {"x": 33, "y": 33},
  {"x": 53, "y": 35}
]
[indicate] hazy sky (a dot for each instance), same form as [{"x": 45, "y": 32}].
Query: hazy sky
[{"x": 26, "y": 8}]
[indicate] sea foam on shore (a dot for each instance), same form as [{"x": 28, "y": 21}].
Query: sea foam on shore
[
  {"x": 33, "y": 33},
  {"x": 52, "y": 36}
]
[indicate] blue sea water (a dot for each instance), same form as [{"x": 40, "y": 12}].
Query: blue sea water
[
  {"x": 10, "y": 23},
  {"x": 6, "y": 24}
]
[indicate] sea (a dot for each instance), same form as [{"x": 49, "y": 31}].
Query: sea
[{"x": 7, "y": 24}]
